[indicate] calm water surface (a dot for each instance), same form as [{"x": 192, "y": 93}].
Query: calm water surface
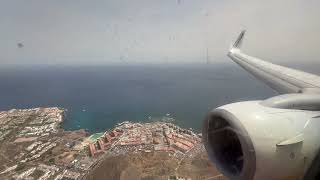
[{"x": 99, "y": 97}]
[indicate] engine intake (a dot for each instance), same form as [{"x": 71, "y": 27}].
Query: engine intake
[{"x": 229, "y": 145}]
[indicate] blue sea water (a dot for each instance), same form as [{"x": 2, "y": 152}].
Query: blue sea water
[{"x": 98, "y": 97}]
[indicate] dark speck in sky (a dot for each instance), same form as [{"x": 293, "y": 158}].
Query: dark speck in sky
[{"x": 20, "y": 45}]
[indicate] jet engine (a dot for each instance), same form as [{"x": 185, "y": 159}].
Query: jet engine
[{"x": 256, "y": 140}]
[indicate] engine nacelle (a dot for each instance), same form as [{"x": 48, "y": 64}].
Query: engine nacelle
[{"x": 248, "y": 140}]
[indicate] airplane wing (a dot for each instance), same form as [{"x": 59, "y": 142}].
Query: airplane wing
[
  {"x": 279, "y": 78},
  {"x": 275, "y": 138}
]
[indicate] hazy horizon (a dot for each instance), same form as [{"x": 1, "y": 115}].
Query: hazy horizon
[{"x": 155, "y": 32}]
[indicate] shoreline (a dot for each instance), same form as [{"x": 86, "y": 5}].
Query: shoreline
[{"x": 34, "y": 145}]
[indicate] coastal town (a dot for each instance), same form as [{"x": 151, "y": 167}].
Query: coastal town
[
  {"x": 34, "y": 146},
  {"x": 147, "y": 137}
]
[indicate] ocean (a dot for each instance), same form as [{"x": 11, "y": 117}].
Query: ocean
[{"x": 98, "y": 97}]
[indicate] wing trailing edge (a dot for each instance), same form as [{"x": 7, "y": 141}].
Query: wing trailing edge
[{"x": 279, "y": 78}]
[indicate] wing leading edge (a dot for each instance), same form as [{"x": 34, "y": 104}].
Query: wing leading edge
[{"x": 279, "y": 78}]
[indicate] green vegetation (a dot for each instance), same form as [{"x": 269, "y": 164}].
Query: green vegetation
[
  {"x": 95, "y": 136},
  {"x": 51, "y": 161}
]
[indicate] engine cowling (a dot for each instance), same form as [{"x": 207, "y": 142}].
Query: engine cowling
[{"x": 248, "y": 140}]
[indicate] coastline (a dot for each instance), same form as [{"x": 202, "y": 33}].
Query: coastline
[{"x": 36, "y": 146}]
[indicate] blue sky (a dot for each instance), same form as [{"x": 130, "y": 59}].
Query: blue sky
[{"x": 155, "y": 31}]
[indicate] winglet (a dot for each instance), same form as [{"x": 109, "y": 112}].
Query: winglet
[{"x": 238, "y": 42}]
